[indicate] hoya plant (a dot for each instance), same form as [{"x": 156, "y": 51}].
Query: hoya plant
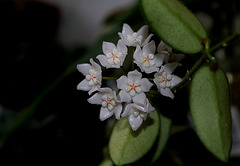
[
  {"x": 128, "y": 77},
  {"x": 152, "y": 90}
]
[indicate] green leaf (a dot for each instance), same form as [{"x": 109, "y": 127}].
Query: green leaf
[
  {"x": 210, "y": 110},
  {"x": 174, "y": 24},
  {"x": 165, "y": 129},
  {"x": 127, "y": 146}
]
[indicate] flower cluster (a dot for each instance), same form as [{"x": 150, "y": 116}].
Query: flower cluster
[{"x": 130, "y": 99}]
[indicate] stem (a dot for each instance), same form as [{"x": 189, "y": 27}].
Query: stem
[
  {"x": 109, "y": 78},
  {"x": 207, "y": 54},
  {"x": 226, "y": 41},
  {"x": 190, "y": 72}
]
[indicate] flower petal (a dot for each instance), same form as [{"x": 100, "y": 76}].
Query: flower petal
[
  {"x": 149, "y": 107},
  {"x": 103, "y": 60},
  {"x": 137, "y": 53},
  {"x": 162, "y": 47},
  {"x": 166, "y": 92},
  {"x": 140, "y": 107},
  {"x": 175, "y": 80},
  {"x": 139, "y": 99},
  {"x": 124, "y": 39},
  {"x": 143, "y": 31},
  {"x": 140, "y": 66},
  {"x": 147, "y": 40},
  {"x": 135, "y": 122},
  {"x": 108, "y": 47},
  {"x": 170, "y": 67},
  {"x": 150, "y": 69},
  {"x": 158, "y": 60},
  {"x": 127, "y": 30},
  {"x": 127, "y": 110},
  {"x": 122, "y": 82},
  {"x": 105, "y": 114},
  {"x": 134, "y": 75},
  {"x": 84, "y": 68},
  {"x": 146, "y": 85},
  {"x": 149, "y": 48},
  {"x": 96, "y": 66},
  {"x": 117, "y": 110},
  {"x": 84, "y": 85},
  {"x": 122, "y": 47},
  {"x": 155, "y": 80},
  {"x": 94, "y": 88},
  {"x": 96, "y": 99},
  {"x": 124, "y": 96}
]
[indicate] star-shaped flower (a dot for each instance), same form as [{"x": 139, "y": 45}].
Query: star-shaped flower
[
  {"x": 166, "y": 52},
  {"x": 132, "y": 85},
  {"x": 131, "y": 38},
  {"x": 109, "y": 101},
  {"x": 138, "y": 111},
  {"x": 114, "y": 56},
  {"x": 145, "y": 58},
  {"x": 93, "y": 77},
  {"x": 164, "y": 79}
]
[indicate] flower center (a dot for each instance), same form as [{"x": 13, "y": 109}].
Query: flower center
[
  {"x": 108, "y": 101},
  {"x": 147, "y": 60},
  {"x": 134, "y": 38},
  {"x": 92, "y": 77},
  {"x": 137, "y": 113},
  {"x": 133, "y": 87},
  {"x": 114, "y": 57},
  {"x": 164, "y": 80}
]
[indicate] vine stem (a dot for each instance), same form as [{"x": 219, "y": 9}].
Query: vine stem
[
  {"x": 226, "y": 41},
  {"x": 190, "y": 72},
  {"x": 205, "y": 56},
  {"x": 109, "y": 78}
]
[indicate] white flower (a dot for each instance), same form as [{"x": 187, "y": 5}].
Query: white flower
[
  {"x": 131, "y": 38},
  {"x": 165, "y": 80},
  {"x": 110, "y": 104},
  {"x": 132, "y": 85},
  {"x": 145, "y": 58},
  {"x": 166, "y": 51},
  {"x": 93, "y": 77},
  {"x": 114, "y": 56},
  {"x": 137, "y": 112}
]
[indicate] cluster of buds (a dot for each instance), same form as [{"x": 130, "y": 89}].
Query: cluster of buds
[{"x": 129, "y": 98}]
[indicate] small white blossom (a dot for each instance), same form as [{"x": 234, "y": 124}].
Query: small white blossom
[
  {"x": 132, "y": 85},
  {"x": 93, "y": 77},
  {"x": 131, "y": 38},
  {"x": 137, "y": 112},
  {"x": 109, "y": 101},
  {"x": 166, "y": 52},
  {"x": 114, "y": 56},
  {"x": 145, "y": 58},
  {"x": 164, "y": 79}
]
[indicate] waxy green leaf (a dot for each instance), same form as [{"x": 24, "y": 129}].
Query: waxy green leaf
[
  {"x": 175, "y": 24},
  {"x": 127, "y": 146},
  {"x": 210, "y": 110}
]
